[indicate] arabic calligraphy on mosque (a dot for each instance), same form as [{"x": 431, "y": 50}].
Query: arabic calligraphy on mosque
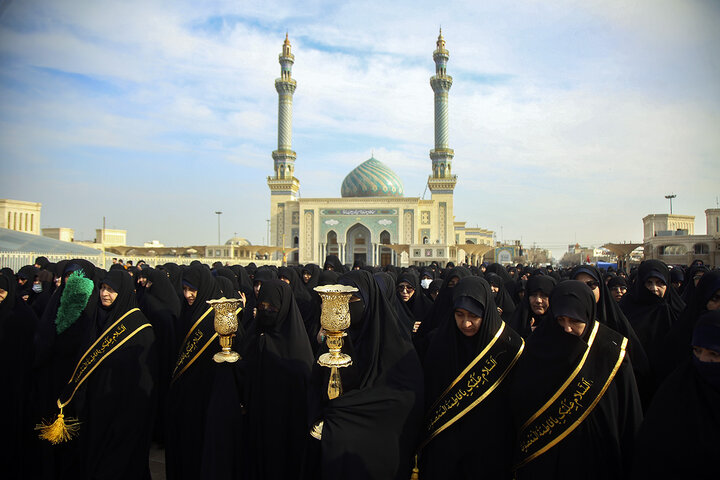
[
  {"x": 457, "y": 397},
  {"x": 559, "y": 414}
]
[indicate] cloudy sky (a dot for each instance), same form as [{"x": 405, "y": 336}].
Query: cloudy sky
[{"x": 570, "y": 120}]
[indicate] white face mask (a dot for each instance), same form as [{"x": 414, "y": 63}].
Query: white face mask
[
  {"x": 425, "y": 283},
  {"x": 37, "y": 287}
]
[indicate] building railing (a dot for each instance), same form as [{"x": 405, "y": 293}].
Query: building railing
[{"x": 17, "y": 260}]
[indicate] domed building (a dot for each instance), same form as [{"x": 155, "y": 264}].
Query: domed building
[{"x": 372, "y": 221}]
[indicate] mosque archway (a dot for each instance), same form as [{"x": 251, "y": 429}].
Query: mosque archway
[
  {"x": 358, "y": 244},
  {"x": 332, "y": 243}
]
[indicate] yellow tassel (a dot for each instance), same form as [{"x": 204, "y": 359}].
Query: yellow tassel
[
  {"x": 415, "y": 471},
  {"x": 60, "y": 430}
]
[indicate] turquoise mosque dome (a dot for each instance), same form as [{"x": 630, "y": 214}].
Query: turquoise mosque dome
[{"x": 372, "y": 178}]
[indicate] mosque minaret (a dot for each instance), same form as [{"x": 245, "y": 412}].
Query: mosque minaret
[
  {"x": 284, "y": 181},
  {"x": 372, "y": 220},
  {"x": 442, "y": 154}
]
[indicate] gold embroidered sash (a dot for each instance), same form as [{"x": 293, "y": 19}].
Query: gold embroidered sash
[
  {"x": 108, "y": 342},
  {"x": 474, "y": 384},
  {"x": 198, "y": 338},
  {"x": 569, "y": 405},
  {"x": 122, "y": 330}
]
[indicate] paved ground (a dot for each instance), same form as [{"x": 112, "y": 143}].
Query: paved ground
[{"x": 157, "y": 462}]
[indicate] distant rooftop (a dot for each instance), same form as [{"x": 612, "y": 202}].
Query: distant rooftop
[{"x": 13, "y": 241}]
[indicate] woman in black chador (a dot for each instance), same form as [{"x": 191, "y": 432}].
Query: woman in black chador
[
  {"x": 192, "y": 377},
  {"x": 369, "y": 431},
  {"x": 469, "y": 429},
  {"x": 680, "y": 437},
  {"x": 534, "y": 308},
  {"x": 161, "y": 306},
  {"x": 574, "y": 397},
  {"x": 652, "y": 306},
  {"x": 112, "y": 389},
  {"x": 278, "y": 361},
  {"x": 17, "y": 322}
]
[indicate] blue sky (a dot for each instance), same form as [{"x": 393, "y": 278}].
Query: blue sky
[{"x": 570, "y": 120}]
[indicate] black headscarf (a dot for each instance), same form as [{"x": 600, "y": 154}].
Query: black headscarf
[
  {"x": 601, "y": 444},
  {"x": 314, "y": 272},
  {"x": 502, "y": 297},
  {"x": 116, "y": 404},
  {"x": 677, "y": 340},
  {"x": 175, "y": 275},
  {"x": 459, "y": 452},
  {"x": 189, "y": 396},
  {"x": 334, "y": 262},
  {"x": 369, "y": 431},
  {"x": 442, "y": 305},
  {"x": 279, "y": 361},
  {"x": 679, "y": 437},
  {"x": 651, "y": 316},
  {"x": 610, "y": 315},
  {"x": 689, "y": 290},
  {"x": 523, "y": 318},
  {"x": 419, "y": 304}
]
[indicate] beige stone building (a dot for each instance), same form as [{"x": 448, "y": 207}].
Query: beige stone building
[
  {"x": 672, "y": 239},
  {"x": 20, "y": 216},
  {"x": 372, "y": 221}
]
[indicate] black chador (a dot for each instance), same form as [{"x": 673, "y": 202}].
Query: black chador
[
  {"x": 278, "y": 362},
  {"x": 111, "y": 392},
  {"x": 680, "y": 435},
  {"x": 574, "y": 397},
  {"x": 370, "y": 430},
  {"x": 468, "y": 428},
  {"x": 192, "y": 377}
]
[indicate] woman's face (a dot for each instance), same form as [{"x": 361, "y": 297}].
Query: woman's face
[
  {"x": 590, "y": 282},
  {"x": 570, "y": 325},
  {"x": 306, "y": 276},
  {"x": 467, "y": 322},
  {"x": 405, "y": 290},
  {"x": 107, "y": 295},
  {"x": 713, "y": 303},
  {"x": 539, "y": 303},
  {"x": 190, "y": 294},
  {"x": 617, "y": 292},
  {"x": 3, "y": 295},
  {"x": 706, "y": 355},
  {"x": 656, "y": 286},
  {"x": 494, "y": 289}
]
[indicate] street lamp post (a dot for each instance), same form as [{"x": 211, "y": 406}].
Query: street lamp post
[
  {"x": 218, "y": 214},
  {"x": 670, "y": 197}
]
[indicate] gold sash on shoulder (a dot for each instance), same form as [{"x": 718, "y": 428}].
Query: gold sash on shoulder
[
  {"x": 198, "y": 338},
  {"x": 122, "y": 330},
  {"x": 472, "y": 386},
  {"x": 569, "y": 405}
]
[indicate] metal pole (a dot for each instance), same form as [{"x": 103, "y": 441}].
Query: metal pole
[
  {"x": 670, "y": 197},
  {"x": 218, "y": 214}
]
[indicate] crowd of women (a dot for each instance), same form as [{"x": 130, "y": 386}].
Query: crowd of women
[{"x": 457, "y": 372}]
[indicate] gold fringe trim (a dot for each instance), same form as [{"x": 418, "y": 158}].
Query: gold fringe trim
[{"x": 60, "y": 430}]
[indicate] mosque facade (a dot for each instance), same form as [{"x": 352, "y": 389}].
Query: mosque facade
[{"x": 373, "y": 221}]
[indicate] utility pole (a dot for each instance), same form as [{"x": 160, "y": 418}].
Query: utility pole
[
  {"x": 268, "y": 231},
  {"x": 218, "y": 214},
  {"x": 670, "y": 197}
]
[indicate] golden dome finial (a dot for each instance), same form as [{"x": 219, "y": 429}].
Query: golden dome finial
[
  {"x": 287, "y": 40},
  {"x": 440, "y": 41}
]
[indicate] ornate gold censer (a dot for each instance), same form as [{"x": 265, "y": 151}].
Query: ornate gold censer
[
  {"x": 226, "y": 325},
  {"x": 334, "y": 318}
]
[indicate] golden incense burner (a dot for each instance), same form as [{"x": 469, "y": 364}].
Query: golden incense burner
[
  {"x": 334, "y": 318},
  {"x": 226, "y": 325}
]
